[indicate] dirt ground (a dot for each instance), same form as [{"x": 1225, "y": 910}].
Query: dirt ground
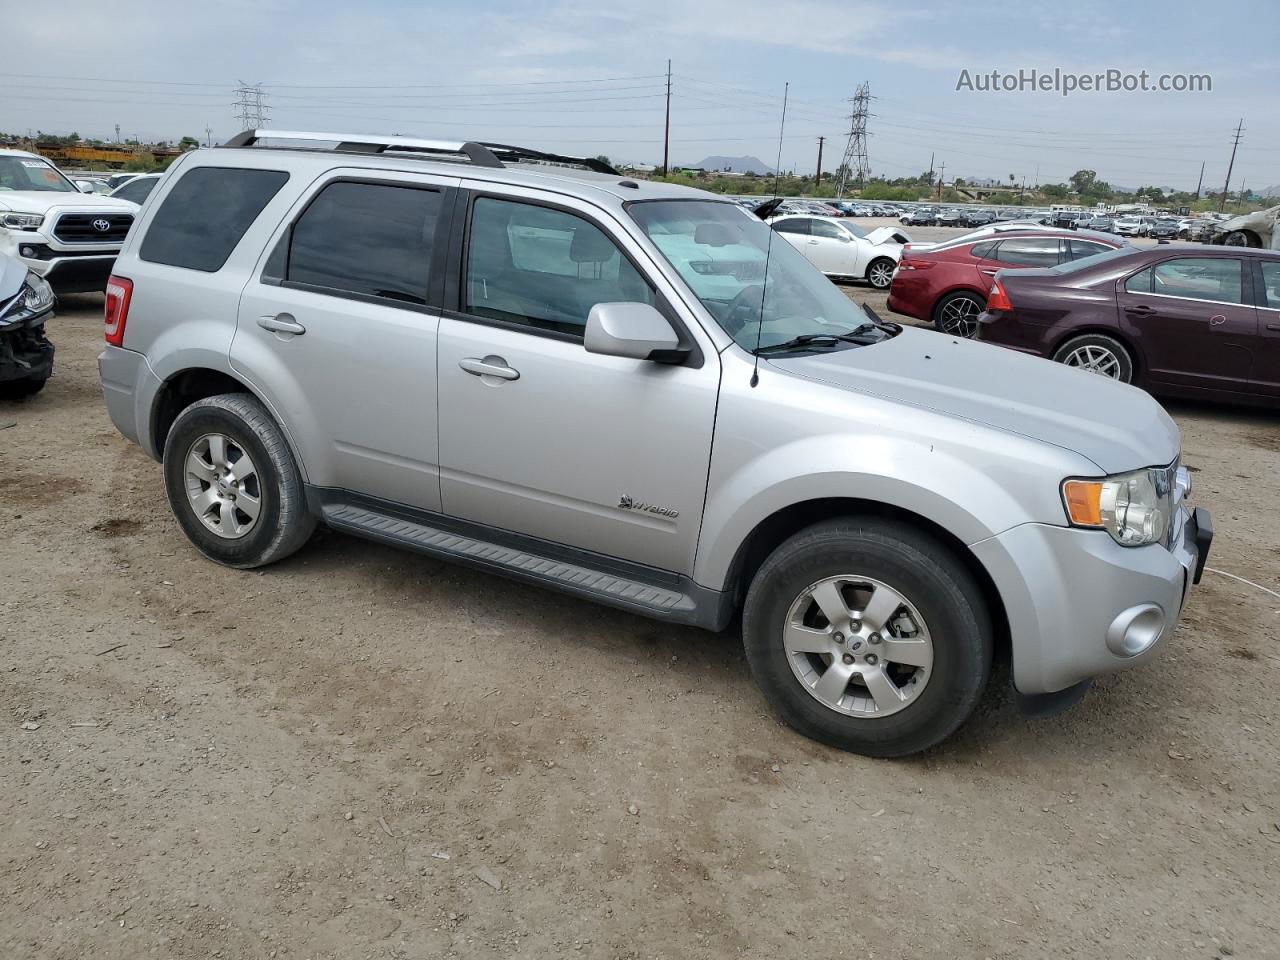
[{"x": 361, "y": 753}]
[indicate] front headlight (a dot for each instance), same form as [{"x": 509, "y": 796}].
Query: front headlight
[
  {"x": 37, "y": 295},
  {"x": 1135, "y": 508},
  {"x": 21, "y": 221}
]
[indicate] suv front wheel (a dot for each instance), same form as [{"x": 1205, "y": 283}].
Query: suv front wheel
[
  {"x": 868, "y": 635},
  {"x": 233, "y": 484}
]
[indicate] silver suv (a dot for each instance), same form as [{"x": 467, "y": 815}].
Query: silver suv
[{"x": 635, "y": 393}]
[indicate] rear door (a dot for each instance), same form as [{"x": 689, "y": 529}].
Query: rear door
[
  {"x": 1194, "y": 321},
  {"x": 1265, "y": 375},
  {"x": 336, "y": 328}
]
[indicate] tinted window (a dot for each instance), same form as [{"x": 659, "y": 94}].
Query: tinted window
[
  {"x": 366, "y": 238},
  {"x": 1271, "y": 284},
  {"x": 1198, "y": 278},
  {"x": 821, "y": 228},
  {"x": 1030, "y": 252},
  {"x": 794, "y": 225},
  {"x": 206, "y": 213},
  {"x": 983, "y": 250},
  {"x": 1139, "y": 282},
  {"x": 137, "y": 190},
  {"x": 543, "y": 268},
  {"x": 1079, "y": 249}
]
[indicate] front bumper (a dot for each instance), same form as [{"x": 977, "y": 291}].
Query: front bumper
[
  {"x": 69, "y": 268},
  {"x": 1077, "y": 601},
  {"x": 25, "y": 352}
]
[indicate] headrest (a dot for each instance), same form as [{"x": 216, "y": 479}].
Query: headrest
[{"x": 589, "y": 245}]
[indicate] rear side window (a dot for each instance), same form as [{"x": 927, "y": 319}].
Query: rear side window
[
  {"x": 370, "y": 239},
  {"x": 206, "y": 213},
  {"x": 794, "y": 225},
  {"x": 1139, "y": 283},
  {"x": 1085, "y": 248},
  {"x": 1030, "y": 252},
  {"x": 137, "y": 190},
  {"x": 1199, "y": 278},
  {"x": 1271, "y": 284},
  {"x": 983, "y": 251}
]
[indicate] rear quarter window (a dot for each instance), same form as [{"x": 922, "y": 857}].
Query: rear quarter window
[{"x": 206, "y": 213}]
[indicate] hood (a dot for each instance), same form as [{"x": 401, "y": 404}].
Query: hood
[
  {"x": 888, "y": 235},
  {"x": 12, "y": 273},
  {"x": 42, "y": 201},
  {"x": 1116, "y": 426}
]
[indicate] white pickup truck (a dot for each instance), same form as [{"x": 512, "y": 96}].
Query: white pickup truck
[{"x": 68, "y": 237}]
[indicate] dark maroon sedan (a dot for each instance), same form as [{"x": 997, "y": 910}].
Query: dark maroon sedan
[{"x": 1180, "y": 321}]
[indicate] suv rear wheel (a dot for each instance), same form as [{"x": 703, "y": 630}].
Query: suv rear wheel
[
  {"x": 233, "y": 484},
  {"x": 869, "y": 635}
]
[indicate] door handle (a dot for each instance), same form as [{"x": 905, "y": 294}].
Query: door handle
[
  {"x": 490, "y": 366},
  {"x": 282, "y": 323},
  {"x": 989, "y": 273},
  {"x": 814, "y": 242},
  {"x": 1273, "y": 326},
  {"x": 1139, "y": 310}
]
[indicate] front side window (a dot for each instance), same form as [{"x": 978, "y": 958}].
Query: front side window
[
  {"x": 370, "y": 239},
  {"x": 1086, "y": 248},
  {"x": 206, "y": 213},
  {"x": 1029, "y": 252},
  {"x": 544, "y": 268},
  {"x": 1199, "y": 278},
  {"x": 823, "y": 229},
  {"x": 32, "y": 173},
  {"x": 721, "y": 256}
]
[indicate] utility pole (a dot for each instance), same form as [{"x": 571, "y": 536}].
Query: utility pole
[
  {"x": 1023, "y": 190},
  {"x": 1200, "y": 182},
  {"x": 930, "y": 169},
  {"x": 117, "y": 133},
  {"x": 208, "y": 136},
  {"x": 1234, "y": 143},
  {"x": 818, "y": 177},
  {"x": 942, "y": 175},
  {"x": 1036, "y": 185},
  {"x": 855, "y": 148},
  {"x": 666, "y": 127}
]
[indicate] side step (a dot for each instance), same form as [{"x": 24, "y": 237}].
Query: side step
[{"x": 663, "y": 603}]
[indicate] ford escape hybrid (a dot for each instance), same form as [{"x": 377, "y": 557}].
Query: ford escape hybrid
[{"x": 632, "y": 392}]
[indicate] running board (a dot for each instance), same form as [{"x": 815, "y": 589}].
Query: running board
[{"x": 659, "y": 602}]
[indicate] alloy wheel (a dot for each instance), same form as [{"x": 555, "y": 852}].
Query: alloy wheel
[
  {"x": 881, "y": 275},
  {"x": 858, "y": 646},
  {"x": 222, "y": 486},
  {"x": 959, "y": 317},
  {"x": 1095, "y": 359}
]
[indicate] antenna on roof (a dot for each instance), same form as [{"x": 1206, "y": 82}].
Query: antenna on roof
[{"x": 768, "y": 250}]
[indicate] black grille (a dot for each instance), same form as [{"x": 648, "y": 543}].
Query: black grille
[{"x": 84, "y": 227}]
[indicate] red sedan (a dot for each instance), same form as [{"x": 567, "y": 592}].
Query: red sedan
[{"x": 947, "y": 283}]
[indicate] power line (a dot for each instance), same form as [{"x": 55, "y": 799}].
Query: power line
[{"x": 253, "y": 111}]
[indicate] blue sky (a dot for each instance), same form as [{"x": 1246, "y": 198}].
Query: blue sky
[{"x": 586, "y": 77}]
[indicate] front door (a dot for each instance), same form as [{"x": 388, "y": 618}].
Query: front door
[
  {"x": 335, "y": 331},
  {"x": 1193, "y": 321},
  {"x": 832, "y": 250},
  {"x": 538, "y": 436}
]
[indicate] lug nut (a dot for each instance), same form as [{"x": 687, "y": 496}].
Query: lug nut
[
  {"x": 875, "y": 638},
  {"x": 838, "y": 637},
  {"x": 847, "y": 658},
  {"x": 872, "y": 659}
]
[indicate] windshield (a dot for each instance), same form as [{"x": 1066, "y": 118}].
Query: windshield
[
  {"x": 32, "y": 173},
  {"x": 720, "y": 252}
]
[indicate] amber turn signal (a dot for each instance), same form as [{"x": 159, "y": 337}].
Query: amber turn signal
[{"x": 1084, "y": 502}]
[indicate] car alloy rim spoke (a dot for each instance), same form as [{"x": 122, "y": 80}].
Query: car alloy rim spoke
[
  {"x": 831, "y": 686},
  {"x": 249, "y": 505},
  {"x": 858, "y": 646},
  {"x": 218, "y": 450},
  {"x": 201, "y": 469},
  {"x": 1095, "y": 359},
  {"x": 227, "y": 517}
]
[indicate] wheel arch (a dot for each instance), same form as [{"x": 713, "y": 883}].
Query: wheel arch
[
  {"x": 184, "y": 387},
  {"x": 771, "y": 531}
]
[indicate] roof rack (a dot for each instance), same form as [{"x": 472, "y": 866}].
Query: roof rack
[{"x": 480, "y": 154}]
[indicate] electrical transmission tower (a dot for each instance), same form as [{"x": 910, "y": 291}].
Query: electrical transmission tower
[
  {"x": 855, "y": 162},
  {"x": 251, "y": 106}
]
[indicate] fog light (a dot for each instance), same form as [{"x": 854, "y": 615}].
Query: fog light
[
  {"x": 1135, "y": 630},
  {"x": 27, "y": 251}
]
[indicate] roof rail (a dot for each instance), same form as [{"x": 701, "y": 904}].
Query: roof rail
[{"x": 480, "y": 154}]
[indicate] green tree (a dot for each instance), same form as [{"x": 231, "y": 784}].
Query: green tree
[
  {"x": 188, "y": 143},
  {"x": 1055, "y": 191},
  {"x": 1082, "y": 180}
]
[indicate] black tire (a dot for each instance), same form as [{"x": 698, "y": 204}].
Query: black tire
[
  {"x": 1242, "y": 238},
  {"x": 877, "y": 276},
  {"x": 957, "y": 313},
  {"x": 912, "y": 563},
  {"x": 1123, "y": 359},
  {"x": 21, "y": 389},
  {"x": 283, "y": 524}
]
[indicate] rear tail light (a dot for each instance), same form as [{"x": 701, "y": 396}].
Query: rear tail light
[
  {"x": 116, "y": 312},
  {"x": 911, "y": 263},
  {"x": 998, "y": 299}
]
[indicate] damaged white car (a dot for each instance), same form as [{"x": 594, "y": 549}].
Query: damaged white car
[
  {"x": 1250, "y": 230},
  {"x": 840, "y": 249}
]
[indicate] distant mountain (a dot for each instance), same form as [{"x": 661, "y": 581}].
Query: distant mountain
[
  {"x": 1272, "y": 191},
  {"x": 736, "y": 164}
]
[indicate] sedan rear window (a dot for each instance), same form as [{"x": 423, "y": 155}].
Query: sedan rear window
[{"x": 206, "y": 213}]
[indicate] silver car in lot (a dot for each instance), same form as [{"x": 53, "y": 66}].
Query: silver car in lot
[{"x": 639, "y": 394}]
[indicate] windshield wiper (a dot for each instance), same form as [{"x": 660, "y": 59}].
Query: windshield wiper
[{"x": 857, "y": 336}]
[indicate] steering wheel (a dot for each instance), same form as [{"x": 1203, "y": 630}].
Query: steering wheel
[{"x": 744, "y": 308}]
